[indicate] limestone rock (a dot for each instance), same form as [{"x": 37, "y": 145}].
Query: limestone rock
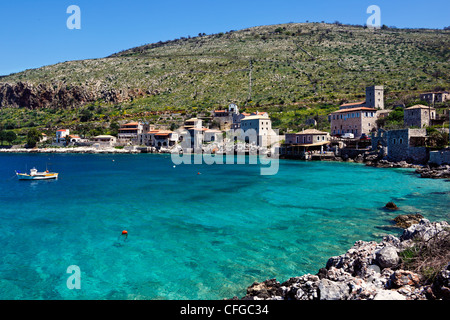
[
  {"x": 387, "y": 257},
  {"x": 389, "y": 295},
  {"x": 330, "y": 290}
]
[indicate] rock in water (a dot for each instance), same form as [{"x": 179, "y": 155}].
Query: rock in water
[
  {"x": 391, "y": 206},
  {"x": 407, "y": 220}
]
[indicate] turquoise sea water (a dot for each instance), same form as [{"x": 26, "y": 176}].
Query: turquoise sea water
[{"x": 190, "y": 235}]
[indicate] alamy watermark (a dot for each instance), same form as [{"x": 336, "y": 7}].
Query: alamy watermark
[
  {"x": 74, "y": 280},
  {"x": 374, "y": 21},
  {"x": 74, "y": 20},
  {"x": 197, "y": 146}
]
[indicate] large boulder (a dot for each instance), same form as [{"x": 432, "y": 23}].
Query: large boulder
[{"x": 387, "y": 257}]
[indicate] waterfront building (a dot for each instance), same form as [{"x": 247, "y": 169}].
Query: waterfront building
[
  {"x": 131, "y": 130},
  {"x": 353, "y": 120},
  {"x": 104, "y": 140},
  {"x": 73, "y": 138},
  {"x": 261, "y": 126},
  {"x": 308, "y": 136},
  {"x": 419, "y": 116},
  {"x": 164, "y": 138},
  {"x": 61, "y": 136},
  {"x": 401, "y": 145},
  {"x": 158, "y": 138},
  {"x": 302, "y": 144}
]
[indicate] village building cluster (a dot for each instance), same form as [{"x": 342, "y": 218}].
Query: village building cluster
[{"x": 353, "y": 129}]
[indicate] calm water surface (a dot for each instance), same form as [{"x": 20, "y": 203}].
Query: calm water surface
[{"x": 190, "y": 235}]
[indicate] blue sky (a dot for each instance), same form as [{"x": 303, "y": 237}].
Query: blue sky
[{"x": 33, "y": 33}]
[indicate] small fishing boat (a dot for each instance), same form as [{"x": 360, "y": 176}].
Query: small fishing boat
[{"x": 35, "y": 175}]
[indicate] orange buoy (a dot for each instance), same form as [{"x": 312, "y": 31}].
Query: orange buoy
[{"x": 125, "y": 232}]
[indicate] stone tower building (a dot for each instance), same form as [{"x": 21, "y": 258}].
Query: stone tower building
[{"x": 375, "y": 97}]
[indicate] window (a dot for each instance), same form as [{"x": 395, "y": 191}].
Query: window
[
  {"x": 368, "y": 124},
  {"x": 393, "y": 141},
  {"x": 400, "y": 141}
]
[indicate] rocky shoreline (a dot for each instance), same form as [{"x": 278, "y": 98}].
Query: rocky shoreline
[
  {"x": 367, "y": 271},
  {"x": 424, "y": 171}
]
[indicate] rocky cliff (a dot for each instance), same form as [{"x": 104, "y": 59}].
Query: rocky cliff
[
  {"x": 368, "y": 271},
  {"x": 60, "y": 95}
]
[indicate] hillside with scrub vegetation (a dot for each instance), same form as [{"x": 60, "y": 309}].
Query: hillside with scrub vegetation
[{"x": 294, "y": 71}]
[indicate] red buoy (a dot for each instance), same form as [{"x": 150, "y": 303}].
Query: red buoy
[{"x": 124, "y": 232}]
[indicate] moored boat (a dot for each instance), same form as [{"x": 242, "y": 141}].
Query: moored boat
[{"x": 35, "y": 175}]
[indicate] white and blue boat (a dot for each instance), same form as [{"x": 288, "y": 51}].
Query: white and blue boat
[{"x": 35, "y": 175}]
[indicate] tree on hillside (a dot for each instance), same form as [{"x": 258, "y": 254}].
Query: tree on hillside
[
  {"x": 33, "y": 137},
  {"x": 10, "y": 136}
]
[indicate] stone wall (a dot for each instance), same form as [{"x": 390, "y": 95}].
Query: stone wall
[{"x": 440, "y": 157}]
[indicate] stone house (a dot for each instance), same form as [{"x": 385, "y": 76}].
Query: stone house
[
  {"x": 432, "y": 97},
  {"x": 374, "y": 99},
  {"x": 309, "y": 136},
  {"x": 131, "y": 130},
  {"x": 104, "y": 140},
  {"x": 259, "y": 128},
  {"x": 353, "y": 120},
  {"x": 158, "y": 138},
  {"x": 419, "y": 116},
  {"x": 228, "y": 119},
  {"x": 402, "y": 145}
]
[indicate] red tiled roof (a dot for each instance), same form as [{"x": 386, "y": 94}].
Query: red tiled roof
[
  {"x": 354, "y": 109},
  {"x": 352, "y": 104}
]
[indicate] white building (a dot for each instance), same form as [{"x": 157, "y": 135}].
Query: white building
[
  {"x": 61, "y": 136},
  {"x": 258, "y": 129},
  {"x": 158, "y": 138},
  {"x": 105, "y": 140},
  {"x": 130, "y": 131}
]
